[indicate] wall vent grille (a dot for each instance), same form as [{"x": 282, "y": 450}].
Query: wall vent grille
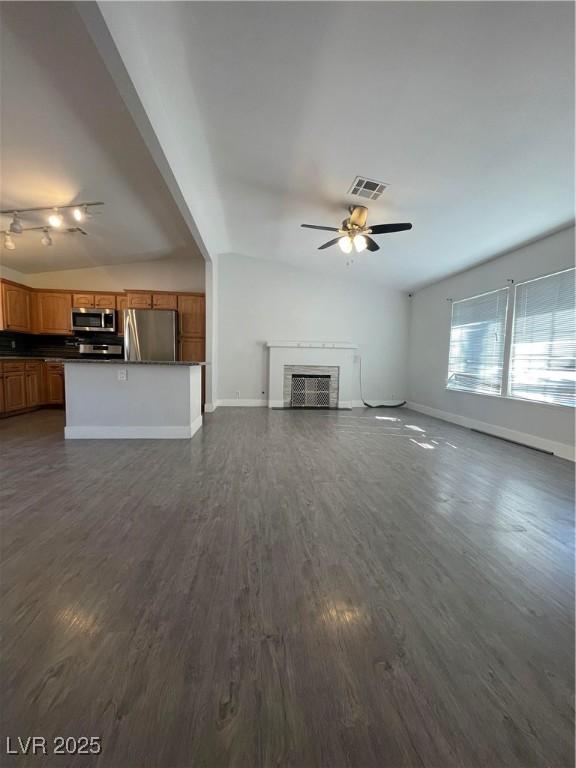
[{"x": 367, "y": 188}]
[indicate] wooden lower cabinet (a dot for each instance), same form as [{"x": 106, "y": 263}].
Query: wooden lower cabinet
[
  {"x": 28, "y": 384},
  {"x": 54, "y": 394},
  {"x": 15, "y": 391},
  {"x": 33, "y": 385}
]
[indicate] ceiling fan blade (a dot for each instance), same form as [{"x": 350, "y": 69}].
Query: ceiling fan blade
[
  {"x": 371, "y": 245},
  {"x": 329, "y": 243},
  {"x": 316, "y": 226},
  {"x": 381, "y": 229}
]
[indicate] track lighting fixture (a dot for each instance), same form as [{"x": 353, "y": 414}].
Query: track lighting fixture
[
  {"x": 16, "y": 224},
  {"x": 80, "y": 212}
]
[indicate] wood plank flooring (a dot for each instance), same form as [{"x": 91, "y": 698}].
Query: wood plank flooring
[{"x": 296, "y": 589}]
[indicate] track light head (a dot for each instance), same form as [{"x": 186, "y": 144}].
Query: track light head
[
  {"x": 8, "y": 242},
  {"x": 46, "y": 239},
  {"x": 55, "y": 219},
  {"x": 16, "y": 224}
]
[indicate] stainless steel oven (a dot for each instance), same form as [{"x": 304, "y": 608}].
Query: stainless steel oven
[
  {"x": 90, "y": 319},
  {"x": 97, "y": 350}
]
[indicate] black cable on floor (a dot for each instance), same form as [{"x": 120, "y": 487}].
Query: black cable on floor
[{"x": 368, "y": 405}]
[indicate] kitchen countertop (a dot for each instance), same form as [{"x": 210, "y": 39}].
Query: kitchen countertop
[
  {"x": 40, "y": 358},
  {"x": 114, "y": 361},
  {"x": 125, "y": 362}
]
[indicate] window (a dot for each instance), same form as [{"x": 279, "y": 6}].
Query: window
[
  {"x": 477, "y": 343},
  {"x": 542, "y": 362}
]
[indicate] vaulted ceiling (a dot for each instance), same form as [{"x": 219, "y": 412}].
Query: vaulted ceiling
[{"x": 267, "y": 111}]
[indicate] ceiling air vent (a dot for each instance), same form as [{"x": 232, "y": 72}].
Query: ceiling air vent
[{"x": 368, "y": 188}]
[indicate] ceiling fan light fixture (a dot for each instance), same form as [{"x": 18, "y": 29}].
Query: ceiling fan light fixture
[
  {"x": 8, "y": 242},
  {"x": 345, "y": 244},
  {"x": 78, "y": 214},
  {"x": 16, "y": 224},
  {"x": 360, "y": 243},
  {"x": 55, "y": 218},
  {"x": 46, "y": 239}
]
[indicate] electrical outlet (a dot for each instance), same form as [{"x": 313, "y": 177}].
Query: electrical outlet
[{"x": 122, "y": 374}]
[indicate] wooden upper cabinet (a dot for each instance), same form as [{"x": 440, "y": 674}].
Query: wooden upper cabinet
[
  {"x": 164, "y": 301},
  {"x": 139, "y": 301},
  {"x": 99, "y": 300},
  {"x": 192, "y": 316},
  {"x": 53, "y": 312},
  {"x": 15, "y": 308},
  {"x": 83, "y": 300},
  {"x": 104, "y": 300}
]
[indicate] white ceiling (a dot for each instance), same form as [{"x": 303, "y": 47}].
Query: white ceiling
[
  {"x": 267, "y": 111},
  {"x": 67, "y": 136}
]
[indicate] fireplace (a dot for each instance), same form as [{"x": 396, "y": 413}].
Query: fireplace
[
  {"x": 311, "y": 358},
  {"x": 307, "y": 386}
]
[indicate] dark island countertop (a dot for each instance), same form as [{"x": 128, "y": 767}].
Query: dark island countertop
[{"x": 83, "y": 361}]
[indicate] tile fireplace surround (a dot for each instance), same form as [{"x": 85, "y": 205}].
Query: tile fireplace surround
[{"x": 310, "y": 353}]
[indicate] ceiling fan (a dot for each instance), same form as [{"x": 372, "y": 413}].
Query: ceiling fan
[{"x": 355, "y": 234}]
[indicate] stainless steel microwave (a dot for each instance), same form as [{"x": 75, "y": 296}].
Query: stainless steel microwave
[{"x": 90, "y": 319}]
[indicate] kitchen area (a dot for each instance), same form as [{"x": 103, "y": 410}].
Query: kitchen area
[{"x": 42, "y": 331}]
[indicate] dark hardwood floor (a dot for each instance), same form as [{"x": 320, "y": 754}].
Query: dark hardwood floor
[{"x": 288, "y": 589}]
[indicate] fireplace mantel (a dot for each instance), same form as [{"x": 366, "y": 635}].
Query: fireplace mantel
[
  {"x": 321, "y": 353},
  {"x": 313, "y": 344}
]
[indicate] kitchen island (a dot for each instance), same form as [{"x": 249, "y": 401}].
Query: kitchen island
[{"x": 117, "y": 399}]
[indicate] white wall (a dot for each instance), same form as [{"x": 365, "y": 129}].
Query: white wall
[
  {"x": 261, "y": 301},
  {"x": 546, "y": 426},
  {"x": 161, "y": 275}
]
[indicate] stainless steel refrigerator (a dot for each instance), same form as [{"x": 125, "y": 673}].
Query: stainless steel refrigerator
[{"x": 150, "y": 334}]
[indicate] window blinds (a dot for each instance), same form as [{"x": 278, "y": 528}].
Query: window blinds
[
  {"x": 542, "y": 365},
  {"x": 477, "y": 343}
]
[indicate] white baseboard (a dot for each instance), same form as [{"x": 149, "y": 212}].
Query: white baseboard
[
  {"x": 133, "y": 433},
  {"x": 238, "y": 403},
  {"x": 210, "y": 407},
  {"x": 558, "y": 449}
]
